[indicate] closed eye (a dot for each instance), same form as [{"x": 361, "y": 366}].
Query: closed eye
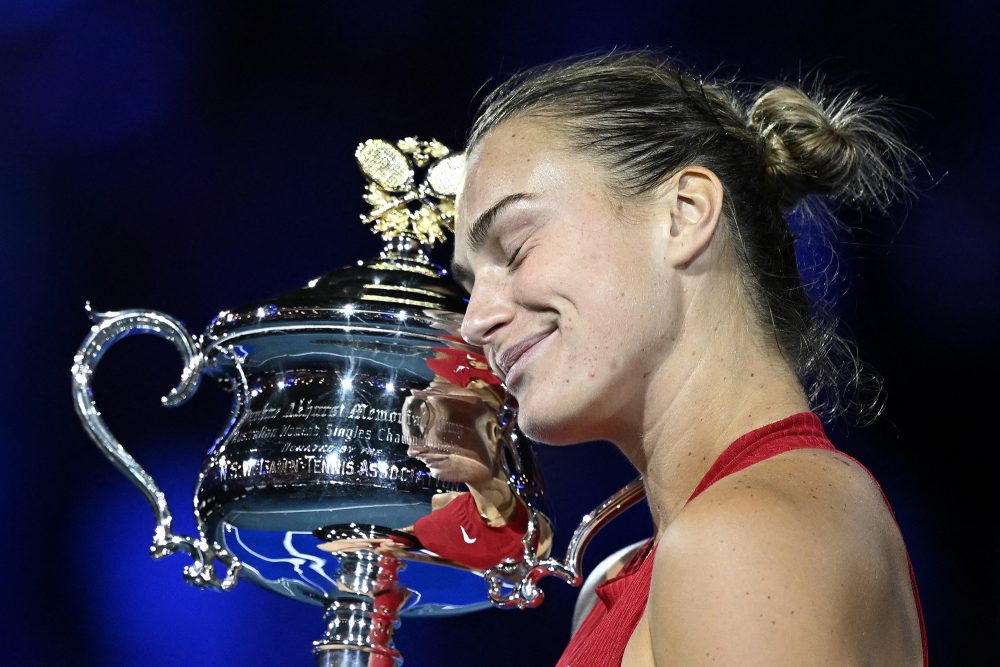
[{"x": 513, "y": 257}]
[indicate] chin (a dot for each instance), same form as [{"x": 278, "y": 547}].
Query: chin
[
  {"x": 553, "y": 417},
  {"x": 550, "y": 429}
]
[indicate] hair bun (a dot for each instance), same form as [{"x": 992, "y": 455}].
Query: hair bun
[{"x": 845, "y": 147}]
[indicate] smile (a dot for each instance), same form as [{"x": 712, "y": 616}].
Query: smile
[{"x": 513, "y": 360}]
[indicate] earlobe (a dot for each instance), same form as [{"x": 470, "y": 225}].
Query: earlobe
[{"x": 695, "y": 207}]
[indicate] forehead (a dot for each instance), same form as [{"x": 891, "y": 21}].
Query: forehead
[
  {"x": 504, "y": 162},
  {"x": 519, "y": 156}
]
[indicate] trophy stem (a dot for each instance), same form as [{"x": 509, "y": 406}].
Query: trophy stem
[{"x": 361, "y": 622}]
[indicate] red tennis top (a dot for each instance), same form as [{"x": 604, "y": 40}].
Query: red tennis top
[{"x": 601, "y": 639}]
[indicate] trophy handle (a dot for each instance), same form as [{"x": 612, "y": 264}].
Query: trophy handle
[
  {"x": 108, "y": 329},
  {"x": 521, "y": 577}
]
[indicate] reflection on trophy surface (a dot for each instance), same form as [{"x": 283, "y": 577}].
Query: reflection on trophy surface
[
  {"x": 456, "y": 433},
  {"x": 452, "y": 427},
  {"x": 371, "y": 463}
]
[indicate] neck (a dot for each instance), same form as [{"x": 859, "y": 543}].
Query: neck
[{"x": 694, "y": 410}]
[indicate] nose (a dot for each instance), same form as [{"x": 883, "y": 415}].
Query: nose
[{"x": 488, "y": 312}]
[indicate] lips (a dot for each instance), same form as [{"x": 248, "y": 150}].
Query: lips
[{"x": 506, "y": 361}]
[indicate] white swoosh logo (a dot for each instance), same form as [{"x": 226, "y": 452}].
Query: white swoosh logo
[{"x": 465, "y": 536}]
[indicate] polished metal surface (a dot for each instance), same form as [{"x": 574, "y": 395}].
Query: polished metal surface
[
  {"x": 371, "y": 463},
  {"x": 362, "y": 407},
  {"x": 109, "y": 328}
]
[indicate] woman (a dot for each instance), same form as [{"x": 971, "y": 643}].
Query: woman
[{"x": 621, "y": 230}]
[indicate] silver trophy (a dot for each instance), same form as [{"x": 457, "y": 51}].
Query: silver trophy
[{"x": 371, "y": 463}]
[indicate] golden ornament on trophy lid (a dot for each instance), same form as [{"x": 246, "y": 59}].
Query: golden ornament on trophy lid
[{"x": 402, "y": 206}]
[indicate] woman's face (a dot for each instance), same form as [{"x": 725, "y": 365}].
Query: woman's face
[{"x": 572, "y": 298}]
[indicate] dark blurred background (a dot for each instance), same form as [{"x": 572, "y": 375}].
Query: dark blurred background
[{"x": 194, "y": 156}]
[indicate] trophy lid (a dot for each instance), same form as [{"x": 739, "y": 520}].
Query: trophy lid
[
  {"x": 400, "y": 283},
  {"x": 400, "y": 289}
]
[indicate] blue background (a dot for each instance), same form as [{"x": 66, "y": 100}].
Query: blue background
[{"x": 191, "y": 156}]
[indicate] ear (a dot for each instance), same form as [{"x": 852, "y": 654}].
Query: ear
[{"x": 694, "y": 205}]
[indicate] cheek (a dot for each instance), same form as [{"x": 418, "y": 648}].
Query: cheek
[
  {"x": 595, "y": 350},
  {"x": 619, "y": 340}
]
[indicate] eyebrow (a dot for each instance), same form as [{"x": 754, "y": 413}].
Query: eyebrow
[
  {"x": 481, "y": 227},
  {"x": 480, "y": 231}
]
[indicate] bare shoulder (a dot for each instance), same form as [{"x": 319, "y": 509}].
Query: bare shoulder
[{"x": 795, "y": 560}]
